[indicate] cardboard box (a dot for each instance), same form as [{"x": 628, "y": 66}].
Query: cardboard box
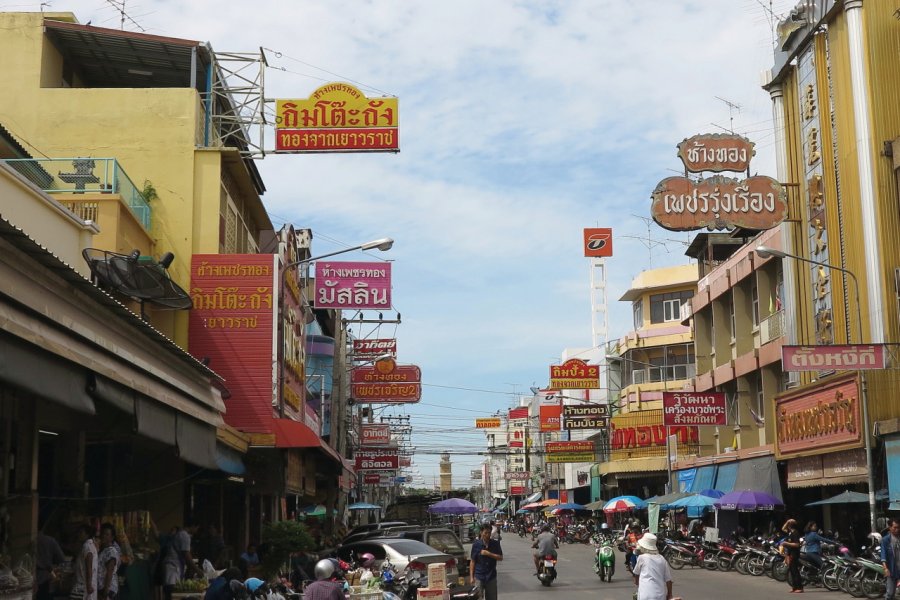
[{"x": 437, "y": 576}]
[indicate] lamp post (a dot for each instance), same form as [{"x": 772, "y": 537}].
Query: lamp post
[{"x": 766, "y": 252}]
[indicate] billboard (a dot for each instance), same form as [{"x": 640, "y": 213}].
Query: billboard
[
  {"x": 585, "y": 416},
  {"x": 598, "y": 242},
  {"x": 566, "y": 452},
  {"x": 517, "y": 476},
  {"x": 337, "y": 117},
  {"x": 488, "y": 423},
  {"x": 642, "y": 434},
  {"x": 353, "y": 285},
  {"x": 694, "y": 408},
  {"x": 851, "y": 357},
  {"x": 550, "y": 417},
  {"x": 574, "y": 374}
]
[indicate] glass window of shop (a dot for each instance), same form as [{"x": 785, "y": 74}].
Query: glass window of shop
[{"x": 665, "y": 308}]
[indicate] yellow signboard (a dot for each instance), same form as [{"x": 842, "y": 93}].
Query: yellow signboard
[
  {"x": 569, "y": 457},
  {"x": 489, "y": 423},
  {"x": 336, "y": 105}
]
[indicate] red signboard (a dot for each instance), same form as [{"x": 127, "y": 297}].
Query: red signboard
[
  {"x": 550, "y": 417},
  {"x": 598, "y": 242},
  {"x": 682, "y": 204},
  {"x": 852, "y": 357},
  {"x": 405, "y": 461},
  {"x": 353, "y": 285},
  {"x": 367, "y": 349},
  {"x": 317, "y": 140},
  {"x": 233, "y": 325},
  {"x": 371, "y": 478},
  {"x": 377, "y": 451},
  {"x": 716, "y": 152},
  {"x": 376, "y": 435},
  {"x": 518, "y": 413},
  {"x": 574, "y": 374},
  {"x": 377, "y": 462},
  {"x": 517, "y": 490},
  {"x": 395, "y": 374},
  {"x": 822, "y": 417},
  {"x": 387, "y": 393},
  {"x": 694, "y": 408}
]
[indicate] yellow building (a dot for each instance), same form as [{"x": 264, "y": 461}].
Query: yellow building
[{"x": 656, "y": 356}]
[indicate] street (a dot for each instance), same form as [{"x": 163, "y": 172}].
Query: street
[{"x": 577, "y": 579}]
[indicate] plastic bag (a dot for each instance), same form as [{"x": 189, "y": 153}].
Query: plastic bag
[{"x": 208, "y": 570}]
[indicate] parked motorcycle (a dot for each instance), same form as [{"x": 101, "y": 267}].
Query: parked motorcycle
[{"x": 548, "y": 570}]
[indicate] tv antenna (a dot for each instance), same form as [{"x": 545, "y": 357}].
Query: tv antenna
[
  {"x": 650, "y": 242},
  {"x": 732, "y": 108}
]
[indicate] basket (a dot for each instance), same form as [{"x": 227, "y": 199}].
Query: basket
[{"x": 359, "y": 592}]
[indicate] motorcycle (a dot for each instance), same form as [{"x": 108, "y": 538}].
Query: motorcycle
[
  {"x": 604, "y": 559},
  {"x": 548, "y": 570}
]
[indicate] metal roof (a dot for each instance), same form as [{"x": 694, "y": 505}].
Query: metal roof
[{"x": 112, "y": 58}]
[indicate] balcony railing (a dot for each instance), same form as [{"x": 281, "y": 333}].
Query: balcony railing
[
  {"x": 84, "y": 176},
  {"x": 772, "y": 327}
]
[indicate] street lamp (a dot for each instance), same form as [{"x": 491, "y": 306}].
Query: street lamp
[{"x": 766, "y": 252}]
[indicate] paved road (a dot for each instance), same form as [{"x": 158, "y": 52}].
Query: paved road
[{"x": 577, "y": 579}]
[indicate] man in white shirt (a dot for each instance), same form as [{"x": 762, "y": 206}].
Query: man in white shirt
[{"x": 651, "y": 572}]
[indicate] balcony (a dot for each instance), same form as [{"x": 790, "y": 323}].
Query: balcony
[
  {"x": 68, "y": 178},
  {"x": 663, "y": 374},
  {"x": 772, "y": 327}
]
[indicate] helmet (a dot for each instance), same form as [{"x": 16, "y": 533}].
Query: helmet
[
  {"x": 604, "y": 526},
  {"x": 253, "y": 584},
  {"x": 367, "y": 559},
  {"x": 325, "y": 569}
]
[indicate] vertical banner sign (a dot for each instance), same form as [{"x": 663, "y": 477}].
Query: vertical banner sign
[
  {"x": 353, "y": 285},
  {"x": 550, "y": 417},
  {"x": 598, "y": 242},
  {"x": 337, "y": 117}
]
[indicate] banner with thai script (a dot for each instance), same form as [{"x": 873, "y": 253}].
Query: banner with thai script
[
  {"x": 386, "y": 382},
  {"x": 716, "y": 152},
  {"x": 369, "y": 349},
  {"x": 585, "y": 416},
  {"x": 598, "y": 242},
  {"x": 233, "y": 325},
  {"x": 850, "y": 357},
  {"x": 821, "y": 417},
  {"x": 518, "y": 413},
  {"x": 642, "y": 434},
  {"x": 550, "y": 416},
  {"x": 377, "y": 462},
  {"x": 376, "y": 435},
  {"x": 518, "y": 490},
  {"x": 488, "y": 423},
  {"x": 569, "y": 452},
  {"x": 337, "y": 117},
  {"x": 574, "y": 374},
  {"x": 517, "y": 476},
  {"x": 353, "y": 285},
  {"x": 694, "y": 408}
]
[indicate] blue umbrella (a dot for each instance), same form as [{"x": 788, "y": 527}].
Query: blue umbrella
[
  {"x": 569, "y": 506},
  {"x": 712, "y": 493},
  {"x": 696, "y": 501},
  {"x": 363, "y": 506}
]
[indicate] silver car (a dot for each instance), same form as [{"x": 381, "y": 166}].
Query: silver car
[{"x": 407, "y": 556}]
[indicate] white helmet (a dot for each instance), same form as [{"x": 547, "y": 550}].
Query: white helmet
[{"x": 324, "y": 569}]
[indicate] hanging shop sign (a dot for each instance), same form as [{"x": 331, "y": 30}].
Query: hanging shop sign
[
  {"x": 716, "y": 152},
  {"x": 377, "y": 462},
  {"x": 517, "y": 476},
  {"x": 386, "y": 371},
  {"x": 518, "y": 490},
  {"x": 585, "y": 416},
  {"x": 569, "y": 452},
  {"x": 550, "y": 416},
  {"x": 518, "y": 413},
  {"x": 488, "y": 423},
  {"x": 337, "y": 117},
  {"x": 642, "y": 434},
  {"x": 851, "y": 357},
  {"x": 718, "y": 202},
  {"x": 575, "y": 374},
  {"x": 353, "y": 285},
  {"x": 376, "y": 435},
  {"x": 386, "y": 382},
  {"x": 367, "y": 349},
  {"x": 598, "y": 242},
  {"x": 694, "y": 408},
  {"x": 822, "y": 417}
]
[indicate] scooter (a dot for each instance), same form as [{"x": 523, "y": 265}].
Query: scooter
[
  {"x": 605, "y": 559},
  {"x": 548, "y": 570}
]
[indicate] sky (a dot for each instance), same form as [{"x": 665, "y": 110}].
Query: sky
[{"x": 521, "y": 123}]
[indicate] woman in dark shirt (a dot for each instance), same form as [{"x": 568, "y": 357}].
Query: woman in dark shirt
[{"x": 792, "y": 555}]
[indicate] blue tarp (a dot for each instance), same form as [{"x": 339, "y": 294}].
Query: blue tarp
[
  {"x": 686, "y": 479},
  {"x": 704, "y": 479},
  {"x": 229, "y": 461},
  {"x": 726, "y": 478},
  {"x": 892, "y": 450}
]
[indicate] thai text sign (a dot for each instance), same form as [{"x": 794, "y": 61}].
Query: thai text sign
[
  {"x": 567, "y": 452},
  {"x": 680, "y": 204},
  {"x": 598, "y": 242},
  {"x": 852, "y": 357},
  {"x": 694, "y": 408},
  {"x": 585, "y": 416},
  {"x": 518, "y": 475},
  {"x": 642, "y": 434},
  {"x": 405, "y": 461},
  {"x": 716, "y": 152},
  {"x": 475, "y": 474},
  {"x": 397, "y": 374},
  {"x": 550, "y": 417},
  {"x": 517, "y": 490},
  {"x": 367, "y": 349},
  {"x": 336, "y": 117},
  {"x": 377, "y": 462},
  {"x": 574, "y": 374},
  {"x": 353, "y": 285},
  {"x": 489, "y": 423},
  {"x": 387, "y": 382},
  {"x": 823, "y": 417},
  {"x": 371, "y": 478},
  {"x": 376, "y": 435}
]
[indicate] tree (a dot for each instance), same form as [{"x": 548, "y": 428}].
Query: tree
[{"x": 282, "y": 539}]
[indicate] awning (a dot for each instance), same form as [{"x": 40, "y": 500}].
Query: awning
[
  {"x": 633, "y": 465},
  {"x": 759, "y": 474},
  {"x": 294, "y": 434},
  {"x": 196, "y": 442},
  {"x": 726, "y": 477},
  {"x": 229, "y": 460},
  {"x": 705, "y": 478},
  {"x": 835, "y": 468},
  {"x": 155, "y": 421},
  {"x": 43, "y": 374}
]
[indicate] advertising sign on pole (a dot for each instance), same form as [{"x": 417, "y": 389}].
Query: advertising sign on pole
[
  {"x": 517, "y": 490},
  {"x": 386, "y": 382},
  {"x": 376, "y": 435},
  {"x": 694, "y": 408},
  {"x": 566, "y": 452},
  {"x": 353, "y": 285},
  {"x": 517, "y": 475},
  {"x": 368, "y": 349},
  {"x": 378, "y": 462},
  {"x": 488, "y": 423},
  {"x": 550, "y": 416},
  {"x": 585, "y": 416},
  {"x": 598, "y": 242},
  {"x": 716, "y": 152},
  {"x": 850, "y": 357},
  {"x": 575, "y": 374}
]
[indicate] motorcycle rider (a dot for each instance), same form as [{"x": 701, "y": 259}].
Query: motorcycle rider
[
  {"x": 812, "y": 544},
  {"x": 326, "y": 586},
  {"x": 546, "y": 544},
  {"x": 890, "y": 555}
]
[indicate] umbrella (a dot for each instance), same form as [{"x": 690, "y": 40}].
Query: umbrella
[
  {"x": 521, "y": 511},
  {"x": 748, "y": 501},
  {"x": 532, "y": 498},
  {"x": 568, "y": 506},
  {"x": 598, "y": 505},
  {"x": 532, "y": 506},
  {"x": 363, "y": 506},
  {"x": 623, "y": 504},
  {"x": 667, "y": 499},
  {"x": 695, "y": 501},
  {"x": 712, "y": 493},
  {"x": 453, "y": 506},
  {"x": 316, "y": 510},
  {"x": 549, "y": 502},
  {"x": 846, "y": 497}
]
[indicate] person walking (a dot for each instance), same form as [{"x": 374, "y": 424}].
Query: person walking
[
  {"x": 791, "y": 546},
  {"x": 108, "y": 563},
  {"x": 486, "y": 553},
  {"x": 178, "y": 562},
  {"x": 890, "y": 557},
  {"x": 85, "y": 586},
  {"x": 48, "y": 557},
  {"x": 651, "y": 572}
]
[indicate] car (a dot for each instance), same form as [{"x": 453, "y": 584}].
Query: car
[
  {"x": 439, "y": 538},
  {"x": 373, "y": 526},
  {"x": 404, "y": 554}
]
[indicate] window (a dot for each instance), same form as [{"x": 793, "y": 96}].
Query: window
[
  {"x": 731, "y": 316},
  {"x": 754, "y": 304},
  {"x": 760, "y": 396},
  {"x": 665, "y": 308},
  {"x": 638, "y": 310}
]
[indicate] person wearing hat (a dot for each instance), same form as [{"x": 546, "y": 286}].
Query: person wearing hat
[{"x": 651, "y": 573}]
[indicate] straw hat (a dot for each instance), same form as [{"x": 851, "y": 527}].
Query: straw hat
[{"x": 647, "y": 544}]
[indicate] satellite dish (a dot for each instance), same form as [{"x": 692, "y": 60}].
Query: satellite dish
[{"x": 138, "y": 277}]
